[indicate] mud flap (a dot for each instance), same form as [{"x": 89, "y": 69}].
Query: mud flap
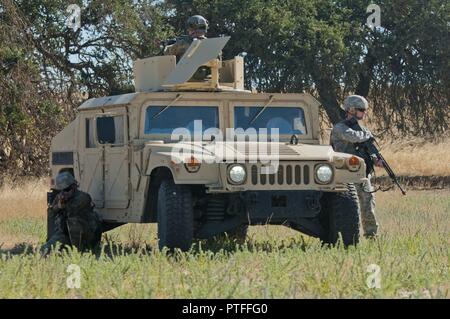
[{"x": 308, "y": 226}]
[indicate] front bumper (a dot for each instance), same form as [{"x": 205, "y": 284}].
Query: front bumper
[{"x": 276, "y": 207}]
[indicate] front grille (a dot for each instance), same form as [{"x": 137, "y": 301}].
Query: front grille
[{"x": 287, "y": 174}]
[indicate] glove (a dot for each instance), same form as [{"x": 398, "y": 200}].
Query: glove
[{"x": 168, "y": 42}]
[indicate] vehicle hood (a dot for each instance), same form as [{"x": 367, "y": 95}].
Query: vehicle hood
[{"x": 229, "y": 151}]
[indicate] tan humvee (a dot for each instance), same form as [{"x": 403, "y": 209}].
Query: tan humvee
[{"x": 133, "y": 154}]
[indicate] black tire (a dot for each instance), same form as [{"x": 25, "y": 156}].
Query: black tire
[
  {"x": 175, "y": 216},
  {"x": 340, "y": 215}
]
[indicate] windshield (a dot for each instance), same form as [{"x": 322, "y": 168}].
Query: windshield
[
  {"x": 288, "y": 120},
  {"x": 176, "y": 117}
]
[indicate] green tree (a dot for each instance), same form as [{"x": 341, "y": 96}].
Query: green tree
[
  {"x": 28, "y": 111},
  {"x": 318, "y": 46},
  {"x": 324, "y": 47},
  {"x": 96, "y": 57},
  {"x": 46, "y": 67}
]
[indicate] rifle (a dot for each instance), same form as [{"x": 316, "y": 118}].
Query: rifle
[
  {"x": 165, "y": 43},
  {"x": 57, "y": 218},
  {"x": 368, "y": 149}
]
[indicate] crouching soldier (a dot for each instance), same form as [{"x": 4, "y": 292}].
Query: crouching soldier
[{"x": 75, "y": 221}]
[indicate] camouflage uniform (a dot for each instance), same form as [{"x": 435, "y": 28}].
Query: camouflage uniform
[
  {"x": 179, "y": 47},
  {"x": 197, "y": 27},
  {"x": 342, "y": 140},
  {"x": 76, "y": 223}
]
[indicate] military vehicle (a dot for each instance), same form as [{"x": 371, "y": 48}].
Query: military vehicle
[{"x": 134, "y": 155}]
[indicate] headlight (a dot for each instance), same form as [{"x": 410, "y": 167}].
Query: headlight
[
  {"x": 324, "y": 173},
  {"x": 237, "y": 174}
]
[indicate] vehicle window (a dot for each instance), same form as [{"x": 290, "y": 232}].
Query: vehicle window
[
  {"x": 90, "y": 143},
  {"x": 288, "y": 120},
  {"x": 180, "y": 117},
  {"x": 110, "y": 130}
]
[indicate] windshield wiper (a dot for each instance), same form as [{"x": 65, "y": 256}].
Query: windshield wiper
[
  {"x": 167, "y": 106},
  {"x": 271, "y": 98}
]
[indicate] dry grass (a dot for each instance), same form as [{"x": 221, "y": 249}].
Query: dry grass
[
  {"x": 418, "y": 157},
  {"x": 25, "y": 199},
  {"x": 22, "y": 204},
  {"x": 413, "y": 156},
  {"x": 276, "y": 262},
  {"x": 412, "y": 253}
]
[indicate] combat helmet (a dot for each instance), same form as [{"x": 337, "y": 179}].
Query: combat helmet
[
  {"x": 197, "y": 22},
  {"x": 64, "y": 180},
  {"x": 356, "y": 101}
]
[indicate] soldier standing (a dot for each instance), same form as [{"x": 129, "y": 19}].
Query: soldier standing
[
  {"x": 76, "y": 222},
  {"x": 197, "y": 27},
  {"x": 343, "y": 139}
]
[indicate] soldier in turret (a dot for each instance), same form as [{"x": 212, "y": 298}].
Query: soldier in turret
[{"x": 197, "y": 27}]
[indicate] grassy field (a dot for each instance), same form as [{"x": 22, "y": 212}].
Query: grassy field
[{"x": 413, "y": 255}]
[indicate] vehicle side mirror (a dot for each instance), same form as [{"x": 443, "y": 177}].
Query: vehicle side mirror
[{"x": 294, "y": 139}]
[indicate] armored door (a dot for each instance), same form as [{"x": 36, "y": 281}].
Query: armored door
[
  {"x": 90, "y": 158},
  {"x": 112, "y": 134}
]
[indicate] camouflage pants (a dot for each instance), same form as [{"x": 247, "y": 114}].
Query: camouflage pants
[
  {"x": 59, "y": 236},
  {"x": 73, "y": 231},
  {"x": 367, "y": 207}
]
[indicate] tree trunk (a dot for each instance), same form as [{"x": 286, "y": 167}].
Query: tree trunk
[
  {"x": 365, "y": 76},
  {"x": 328, "y": 98}
]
